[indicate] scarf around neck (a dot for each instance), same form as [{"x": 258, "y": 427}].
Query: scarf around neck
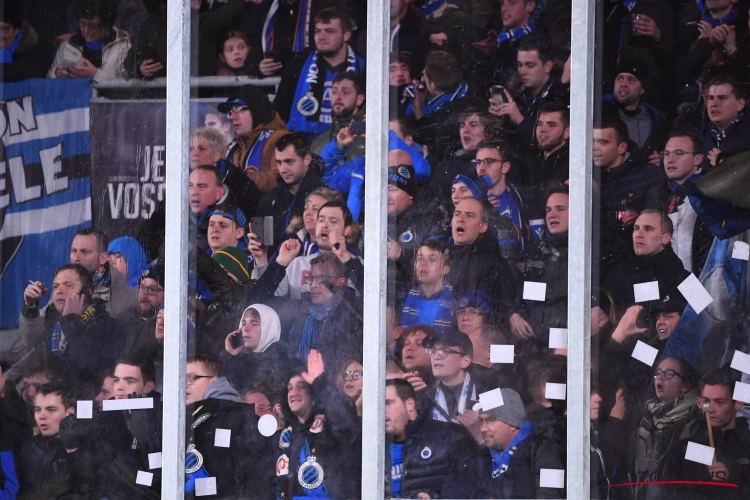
[
  {"x": 301, "y": 29},
  {"x": 6, "y": 55},
  {"x": 434, "y": 104},
  {"x": 501, "y": 459},
  {"x": 715, "y": 21},
  {"x": 461, "y": 406}
]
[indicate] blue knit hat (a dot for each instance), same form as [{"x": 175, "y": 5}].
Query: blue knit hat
[{"x": 477, "y": 185}]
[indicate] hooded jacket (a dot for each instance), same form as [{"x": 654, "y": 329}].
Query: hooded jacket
[
  {"x": 116, "y": 46},
  {"x": 134, "y": 256},
  {"x": 479, "y": 266},
  {"x": 243, "y": 369},
  {"x": 549, "y": 451},
  {"x": 439, "y": 458},
  {"x": 331, "y": 435},
  {"x": 265, "y": 174},
  {"x": 282, "y": 205},
  {"x": 243, "y": 469}
]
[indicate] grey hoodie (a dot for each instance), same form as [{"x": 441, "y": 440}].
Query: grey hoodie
[{"x": 222, "y": 389}]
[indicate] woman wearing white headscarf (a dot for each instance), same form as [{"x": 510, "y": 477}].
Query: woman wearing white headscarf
[{"x": 253, "y": 350}]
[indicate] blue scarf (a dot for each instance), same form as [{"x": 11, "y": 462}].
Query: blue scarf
[
  {"x": 429, "y": 7},
  {"x": 311, "y": 475},
  {"x": 301, "y": 28},
  {"x": 252, "y": 163},
  {"x": 6, "y": 55},
  {"x": 509, "y": 208},
  {"x": 678, "y": 191},
  {"x": 500, "y": 460},
  {"x": 306, "y": 104},
  {"x": 719, "y": 136},
  {"x": 433, "y": 105},
  {"x": 706, "y": 15},
  {"x": 95, "y": 45},
  {"x": 311, "y": 330},
  {"x": 436, "y": 311},
  {"x": 537, "y": 100},
  {"x": 516, "y": 34},
  {"x": 629, "y": 6}
]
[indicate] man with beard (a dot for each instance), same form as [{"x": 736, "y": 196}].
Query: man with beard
[
  {"x": 347, "y": 105},
  {"x": 140, "y": 336},
  {"x": 303, "y": 97},
  {"x": 552, "y": 135}
]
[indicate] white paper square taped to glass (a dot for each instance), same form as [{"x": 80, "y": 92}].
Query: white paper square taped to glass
[
  {"x": 144, "y": 478},
  {"x": 645, "y": 292},
  {"x": 555, "y": 391},
  {"x": 84, "y": 409},
  {"x": 222, "y": 438},
  {"x": 645, "y": 353},
  {"x": 552, "y": 478},
  {"x": 491, "y": 399},
  {"x": 741, "y": 250},
  {"x": 128, "y": 404},
  {"x": 699, "y": 453},
  {"x": 741, "y": 392},
  {"x": 741, "y": 362},
  {"x": 154, "y": 460},
  {"x": 533, "y": 290},
  {"x": 558, "y": 338},
  {"x": 695, "y": 294},
  {"x": 205, "y": 486},
  {"x": 501, "y": 353}
]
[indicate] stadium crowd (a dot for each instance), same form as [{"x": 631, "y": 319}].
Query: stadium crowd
[{"x": 478, "y": 199}]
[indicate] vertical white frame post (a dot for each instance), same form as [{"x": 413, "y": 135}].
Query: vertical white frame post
[
  {"x": 579, "y": 256},
  {"x": 376, "y": 227},
  {"x": 175, "y": 298}
]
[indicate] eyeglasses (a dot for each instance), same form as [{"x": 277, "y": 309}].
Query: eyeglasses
[
  {"x": 677, "y": 154},
  {"x": 321, "y": 280},
  {"x": 190, "y": 379},
  {"x": 150, "y": 290},
  {"x": 85, "y": 25},
  {"x": 486, "y": 161},
  {"x": 441, "y": 352},
  {"x": 354, "y": 374},
  {"x": 471, "y": 311},
  {"x": 667, "y": 374},
  {"x": 238, "y": 109}
]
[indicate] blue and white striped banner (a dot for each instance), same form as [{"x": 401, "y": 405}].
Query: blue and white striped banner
[{"x": 45, "y": 185}]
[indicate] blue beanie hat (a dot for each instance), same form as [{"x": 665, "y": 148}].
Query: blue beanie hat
[
  {"x": 477, "y": 185},
  {"x": 133, "y": 253}
]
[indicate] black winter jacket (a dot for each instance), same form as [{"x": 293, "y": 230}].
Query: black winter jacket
[
  {"x": 440, "y": 458},
  {"x": 549, "y": 451},
  {"x": 516, "y": 482},
  {"x": 479, "y": 266},
  {"x": 242, "y": 470},
  {"x": 664, "y": 267}
]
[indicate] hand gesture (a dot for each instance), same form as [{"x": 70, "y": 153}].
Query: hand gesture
[
  {"x": 618, "y": 410},
  {"x": 288, "y": 251},
  {"x": 509, "y": 108},
  {"x": 315, "y": 366},
  {"x": 234, "y": 351},
  {"x": 358, "y": 403},
  {"x": 345, "y": 137},
  {"x": 439, "y": 38},
  {"x": 718, "y": 471},
  {"x": 470, "y": 420},
  {"x": 712, "y": 155},
  {"x": 75, "y": 304},
  {"x": 394, "y": 249},
  {"x": 646, "y": 26},
  {"x": 150, "y": 68},
  {"x": 33, "y": 293},
  {"x": 84, "y": 69},
  {"x": 415, "y": 380},
  {"x": 70, "y": 434},
  {"x": 338, "y": 245},
  {"x": 62, "y": 72},
  {"x": 258, "y": 251},
  {"x": 268, "y": 67},
  {"x": 627, "y": 326},
  {"x": 655, "y": 158},
  {"x": 520, "y": 328},
  {"x": 420, "y": 98},
  {"x": 629, "y": 217},
  {"x": 704, "y": 30}
]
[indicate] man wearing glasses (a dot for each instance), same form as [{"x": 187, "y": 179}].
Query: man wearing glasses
[
  {"x": 682, "y": 163},
  {"x": 257, "y": 128},
  {"x": 140, "y": 336}
]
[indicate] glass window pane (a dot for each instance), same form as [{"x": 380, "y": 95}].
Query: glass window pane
[{"x": 478, "y": 249}]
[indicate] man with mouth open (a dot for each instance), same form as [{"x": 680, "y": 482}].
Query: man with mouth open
[{"x": 731, "y": 459}]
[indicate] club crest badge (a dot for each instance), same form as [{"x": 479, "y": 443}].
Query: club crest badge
[
  {"x": 426, "y": 452},
  {"x": 195, "y": 463},
  {"x": 310, "y": 474},
  {"x": 317, "y": 425},
  {"x": 282, "y": 466},
  {"x": 308, "y": 105},
  {"x": 285, "y": 438},
  {"x": 404, "y": 172},
  {"x": 406, "y": 237}
]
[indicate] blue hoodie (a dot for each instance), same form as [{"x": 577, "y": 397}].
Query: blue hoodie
[{"x": 134, "y": 256}]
